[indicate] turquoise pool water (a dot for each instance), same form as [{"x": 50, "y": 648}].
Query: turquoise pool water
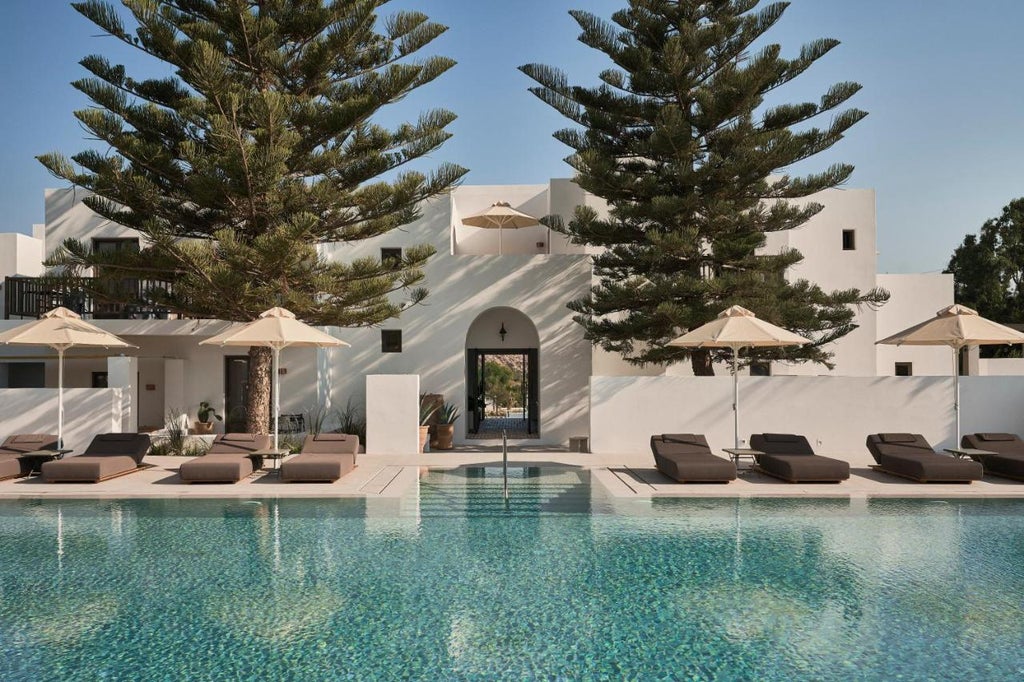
[{"x": 562, "y": 584}]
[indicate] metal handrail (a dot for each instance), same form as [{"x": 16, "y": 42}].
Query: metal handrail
[{"x": 504, "y": 463}]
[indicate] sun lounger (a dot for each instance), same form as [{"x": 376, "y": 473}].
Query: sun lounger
[
  {"x": 324, "y": 457},
  {"x": 228, "y": 460},
  {"x": 12, "y": 462},
  {"x": 687, "y": 458},
  {"x": 790, "y": 457},
  {"x": 109, "y": 455},
  {"x": 909, "y": 455},
  {"x": 1008, "y": 462}
]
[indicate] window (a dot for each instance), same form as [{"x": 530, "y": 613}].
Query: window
[
  {"x": 392, "y": 256},
  {"x": 390, "y": 340},
  {"x": 849, "y": 243},
  {"x": 904, "y": 369},
  {"x": 112, "y": 245},
  {"x": 760, "y": 369},
  {"x": 99, "y": 380}
]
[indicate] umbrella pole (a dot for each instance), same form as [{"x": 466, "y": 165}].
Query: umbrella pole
[
  {"x": 499, "y": 239},
  {"x": 277, "y": 392},
  {"x": 735, "y": 399},
  {"x": 956, "y": 393},
  {"x": 60, "y": 398}
]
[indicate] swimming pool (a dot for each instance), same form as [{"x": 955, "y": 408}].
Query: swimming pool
[{"x": 564, "y": 583}]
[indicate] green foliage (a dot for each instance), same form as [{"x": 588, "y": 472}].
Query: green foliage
[
  {"x": 205, "y": 411},
  {"x": 679, "y": 142},
  {"x": 175, "y": 440},
  {"x": 428, "y": 406},
  {"x": 988, "y": 270},
  {"x": 503, "y": 384},
  {"x": 448, "y": 414},
  {"x": 258, "y": 145},
  {"x": 352, "y": 421}
]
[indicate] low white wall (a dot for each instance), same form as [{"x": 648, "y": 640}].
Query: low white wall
[
  {"x": 392, "y": 414},
  {"x": 87, "y": 412},
  {"x": 835, "y": 413},
  {"x": 992, "y": 367}
]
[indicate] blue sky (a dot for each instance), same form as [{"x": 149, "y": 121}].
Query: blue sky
[{"x": 942, "y": 145}]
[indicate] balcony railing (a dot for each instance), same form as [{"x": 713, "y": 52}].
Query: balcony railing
[{"x": 33, "y": 296}]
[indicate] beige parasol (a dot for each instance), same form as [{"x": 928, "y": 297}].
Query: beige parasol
[
  {"x": 737, "y": 328},
  {"x": 500, "y": 215},
  {"x": 276, "y": 328},
  {"x": 955, "y": 326},
  {"x": 61, "y": 329}
]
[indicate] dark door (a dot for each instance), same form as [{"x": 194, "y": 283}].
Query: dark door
[
  {"x": 533, "y": 391},
  {"x": 236, "y": 388},
  {"x": 474, "y": 389}
]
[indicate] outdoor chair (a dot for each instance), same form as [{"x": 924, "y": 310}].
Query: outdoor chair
[
  {"x": 229, "y": 459},
  {"x": 109, "y": 455},
  {"x": 325, "y": 457},
  {"x": 1008, "y": 462},
  {"x": 789, "y": 456},
  {"x": 687, "y": 458},
  {"x": 13, "y": 464},
  {"x": 909, "y": 455}
]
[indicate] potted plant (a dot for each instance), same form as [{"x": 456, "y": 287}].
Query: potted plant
[
  {"x": 446, "y": 417},
  {"x": 204, "y": 423},
  {"x": 428, "y": 406}
]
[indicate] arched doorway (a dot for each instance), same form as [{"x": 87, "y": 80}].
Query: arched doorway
[{"x": 502, "y": 375}]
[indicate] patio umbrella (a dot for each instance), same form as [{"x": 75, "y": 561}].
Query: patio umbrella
[
  {"x": 61, "y": 329},
  {"x": 276, "y": 328},
  {"x": 737, "y": 328},
  {"x": 955, "y": 326},
  {"x": 500, "y": 215}
]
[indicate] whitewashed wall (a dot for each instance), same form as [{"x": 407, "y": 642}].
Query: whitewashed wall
[
  {"x": 835, "y": 413},
  {"x": 87, "y": 412}
]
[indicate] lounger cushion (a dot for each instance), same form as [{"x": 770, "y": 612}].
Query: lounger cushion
[
  {"x": 11, "y": 466},
  {"x": 331, "y": 443},
  {"x": 1009, "y": 458},
  {"x": 239, "y": 443},
  {"x": 687, "y": 458},
  {"x": 27, "y": 442},
  {"x": 899, "y": 438},
  {"x": 216, "y": 468},
  {"x": 134, "y": 445},
  {"x": 87, "y": 468},
  {"x": 997, "y": 436},
  {"x": 915, "y": 459},
  {"x": 790, "y": 457},
  {"x": 324, "y": 457}
]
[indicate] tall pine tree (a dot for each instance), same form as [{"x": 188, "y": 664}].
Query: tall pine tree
[
  {"x": 259, "y": 147},
  {"x": 678, "y": 141}
]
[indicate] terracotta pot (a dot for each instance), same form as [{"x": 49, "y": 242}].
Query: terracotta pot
[
  {"x": 445, "y": 433},
  {"x": 424, "y": 436},
  {"x": 203, "y": 427}
]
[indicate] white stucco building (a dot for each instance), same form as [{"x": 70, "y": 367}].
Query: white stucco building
[{"x": 475, "y": 295}]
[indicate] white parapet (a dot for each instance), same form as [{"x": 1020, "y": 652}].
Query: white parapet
[{"x": 392, "y": 414}]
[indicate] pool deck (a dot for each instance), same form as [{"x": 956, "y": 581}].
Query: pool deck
[{"x": 631, "y": 476}]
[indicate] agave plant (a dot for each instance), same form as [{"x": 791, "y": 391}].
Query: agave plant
[{"x": 448, "y": 413}]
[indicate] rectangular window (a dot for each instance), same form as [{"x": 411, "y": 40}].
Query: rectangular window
[
  {"x": 849, "y": 243},
  {"x": 904, "y": 369},
  {"x": 760, "y": 369},
  {"x": 390, "y": 340},
  {"x": 99, "y": 380},
  {"x": 391, "y": 256}
]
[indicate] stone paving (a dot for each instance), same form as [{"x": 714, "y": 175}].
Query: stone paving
[{"x": 391, "y": 476}]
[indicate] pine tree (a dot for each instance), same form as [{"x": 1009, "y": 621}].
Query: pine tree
[
  {"x": 679, "y": 143},
  {"x": 261, "y": 146}
]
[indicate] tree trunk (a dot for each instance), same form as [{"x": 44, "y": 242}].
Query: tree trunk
[
  {"x": 257, "y": 399},
  {"x": 700, "y": 361}
]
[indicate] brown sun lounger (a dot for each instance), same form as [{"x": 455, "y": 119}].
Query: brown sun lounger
[
  {"x": 228, "y": 460},
  {"x": 109, "y": 455},
  {"x": 790, "y": 457},
  {"x": 324, "y": 457},
  {"x": 13, "y": 464},
  {"x": 1008, "y": 462},
  {"x": 909, "y": 455},
  {"x": 687, "y": 458}
]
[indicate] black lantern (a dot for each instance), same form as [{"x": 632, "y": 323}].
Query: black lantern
[{"x": 502, "y": 332}]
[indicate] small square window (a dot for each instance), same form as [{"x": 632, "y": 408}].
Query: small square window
[
  {"x": 390, "y": 340},
  {"x": 904, "y": 369},
  {"x": 760, "y": 369},
  {"x": 391, "y": 256},
  {"x": 99, "y": 380},
  {"x": 849, "y": 242}
]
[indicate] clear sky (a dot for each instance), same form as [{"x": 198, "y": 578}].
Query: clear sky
[{"x": 942, "y": 146}]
